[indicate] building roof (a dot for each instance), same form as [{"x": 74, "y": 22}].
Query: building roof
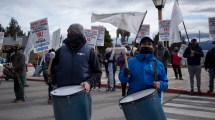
[{"x": 21, "y": 40}]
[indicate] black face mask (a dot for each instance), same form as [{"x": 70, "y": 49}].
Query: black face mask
[
  {"x": 146, "y": 50},
  {"x": 175, "y": 51},
  {"x": 75, "y": 39}
]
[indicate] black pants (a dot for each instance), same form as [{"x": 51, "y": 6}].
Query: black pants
[
  {"x": 177, "y": 70},
  {"x": 97, "y": 82},
  {"x": 123, "y": 86}
]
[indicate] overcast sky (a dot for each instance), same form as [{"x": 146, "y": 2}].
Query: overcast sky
[{"x": 62, "y": 13}]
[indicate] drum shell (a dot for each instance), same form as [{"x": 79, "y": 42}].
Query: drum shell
[
  {"x": 72, "y": 107},
  {"x": 147, "y": 108}
]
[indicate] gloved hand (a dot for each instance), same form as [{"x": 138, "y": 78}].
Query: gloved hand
[
  {"x": 206, "y": 69},
  {"x": 126, "y": 72}
]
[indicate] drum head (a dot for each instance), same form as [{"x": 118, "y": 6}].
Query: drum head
[
  {"x": 137, "y": 95},
  {"x": 68, "y": 90}
]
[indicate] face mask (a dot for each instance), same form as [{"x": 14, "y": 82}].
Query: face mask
[
  {"x": 146, "y": 50},
  {"x": 175, "y": 51},
  {"x": 75, "y": 39}
]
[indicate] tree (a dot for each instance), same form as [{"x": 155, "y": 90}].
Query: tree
[
  {"x": 1, "y": 28},
  {"x": 107, "y": 43},
  {"x": 13, "y": 29}
]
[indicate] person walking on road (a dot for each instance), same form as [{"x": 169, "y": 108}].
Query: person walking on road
[
  {"x": 19, "y": 69},
  {"x": 193, "y": 53},
  {"x": 76, "y": 63},
  {"x": 210, "y": 67},
  {"x": 176, "y": 64},
  {"x": 141, "y": 75},
  {"x": 162, "y": 54},
  {"x": 45, "y": 65}
]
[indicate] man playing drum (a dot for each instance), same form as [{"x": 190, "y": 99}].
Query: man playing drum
[
  {"x": 141, "y": 73},
  {"x": 75, "y": 63}
]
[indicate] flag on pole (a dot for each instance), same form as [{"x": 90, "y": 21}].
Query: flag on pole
[
  {"x": 129, "y": 21},
  {"x": 176, "y": 19}
]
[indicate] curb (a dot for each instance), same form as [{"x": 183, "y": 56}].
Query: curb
[{"x": 170, "y": 90}]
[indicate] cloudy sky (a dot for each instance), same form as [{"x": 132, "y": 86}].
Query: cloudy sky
[{"x": 62, "y": 13}]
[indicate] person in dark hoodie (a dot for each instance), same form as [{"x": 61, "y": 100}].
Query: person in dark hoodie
[
  {"x": 193, "y": 53},
  {"x": 75, "y": 63},
  {"x": 210, "y": 67}
]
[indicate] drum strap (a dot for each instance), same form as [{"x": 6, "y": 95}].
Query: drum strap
[{"x": 155, "y": 71}]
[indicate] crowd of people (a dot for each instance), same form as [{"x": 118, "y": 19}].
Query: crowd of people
[{"x": 147, "y": 69}]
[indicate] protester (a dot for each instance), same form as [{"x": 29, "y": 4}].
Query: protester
[
  {"x": 19, "y": 69},
  {"x": 162, "y": 54},
  {"x": 45, "y": 65},
  {"x": 111, "y": 78},
  {"x": 176, "y": 64},
  {"x": 121, "y": 63},
  {"x": 193, "y": 53},
  {"x": 210, "y": 67},
  {"x": 76, "y": 63},
  {"x": 140, "y": 75},
  {"x": 97, "y": 81}
]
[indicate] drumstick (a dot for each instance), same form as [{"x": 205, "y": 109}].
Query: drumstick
[{"x": 52, "y": 55}]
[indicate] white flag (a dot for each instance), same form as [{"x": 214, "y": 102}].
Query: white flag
[
  {"x": 29, "y": 47},
  {"x": 56, "y": 39},
  {"x": 129, "y": 21},
  {"x": 176, "y": 19}
]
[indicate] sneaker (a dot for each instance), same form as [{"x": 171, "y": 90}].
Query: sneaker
[
  {"x": 26, "y": 85},
  {"x": 49, "y": 101},
  {"x": 181, "y": 79},
  {"x": 176, "y": 78},
  {"x": 191, "y": 92},
  {"x": 100, "y": 89},
  {"x": 94, "y": 89},
  {"x": 18, "y": 101}
]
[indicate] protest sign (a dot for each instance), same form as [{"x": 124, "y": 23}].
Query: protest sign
[
  {"x": 164, "y": 26},
  {"x": 101, "y": 35},
  {"x": 91, "y": 37},
  {"x": 144, "y": 31}
]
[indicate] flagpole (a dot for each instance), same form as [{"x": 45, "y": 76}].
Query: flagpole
[
  {"x": 184, "y": 27},
  {"x": 138, "y": 32}
]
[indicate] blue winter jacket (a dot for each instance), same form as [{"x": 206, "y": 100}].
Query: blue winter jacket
[{"x": 142, "y": 74}]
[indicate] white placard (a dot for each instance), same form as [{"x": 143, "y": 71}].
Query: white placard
[
  {"x": 144, "y": 31},
  {"x": 101, "y": 35},
  {"x": 164, "y": 26},
  {"x": 56, "y": 39},
  {"x": 182, "y": 50},
  {"x": 91, "y": 36},
  {"x": 211, "y": 27},
  {"x": 40, "y": 35}
]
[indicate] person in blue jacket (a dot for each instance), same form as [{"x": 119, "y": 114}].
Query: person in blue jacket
[{"x": 140, "y": 74}]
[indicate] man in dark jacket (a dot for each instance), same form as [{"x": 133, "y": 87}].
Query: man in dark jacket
[
  {"x": 193, "y": 53},
  {"x": 210, "y": 67},
  {"x": 76, "y": 63},
  {"x": 19, "y": 69}
]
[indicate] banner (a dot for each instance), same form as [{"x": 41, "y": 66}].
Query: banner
[
  {"x": 164, "y": 26},
  {"x": 129, "y": 21},
  {"x": 1, "y": 39},
  {"x": 56, "y": 39},
  {"x": 91, "y": 37},
  {"x": 101, "y": 35},
  {"x": 176, "y": 19},
  {"x": 40, "y": 34},
  {"x": 211, "y": 27},
  {"x": 144, "y": 31}
]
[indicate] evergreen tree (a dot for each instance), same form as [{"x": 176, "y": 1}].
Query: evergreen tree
[
  {"x": 1, "y": 28},
  {"x": 13, "y": 29},
  {"x": 107, "y": 43}
]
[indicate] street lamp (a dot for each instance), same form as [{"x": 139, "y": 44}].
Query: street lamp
[{"x": 159, "y": 4}]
